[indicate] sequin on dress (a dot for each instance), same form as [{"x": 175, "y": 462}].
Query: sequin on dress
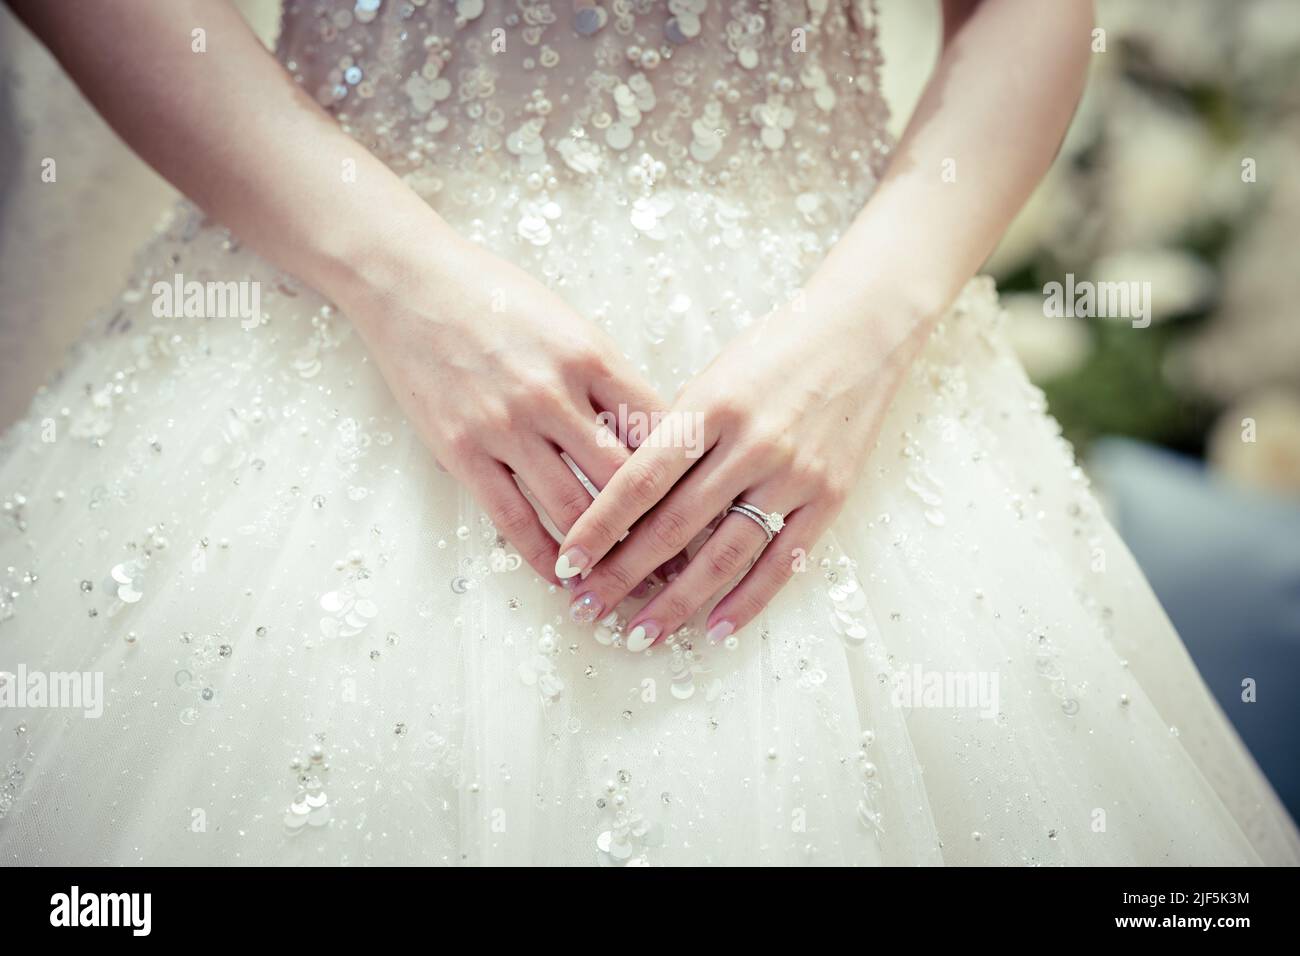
[{"x": 315, "y": 648}]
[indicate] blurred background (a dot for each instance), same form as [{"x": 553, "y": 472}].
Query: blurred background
[{"x": 1182, "y": 169}]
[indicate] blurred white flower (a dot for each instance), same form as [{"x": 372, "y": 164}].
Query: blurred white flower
[
  {"x": 1270, "y": 30},
  {"x": 1191, "y": 41},
  {"x": 1047, "y": 346},
  {"x": 1157, "y": 164},
  {"x": 1256, "y": 443},
  {"x": 1253, "y": 339},
  {"x": 1180, "y": 282}
]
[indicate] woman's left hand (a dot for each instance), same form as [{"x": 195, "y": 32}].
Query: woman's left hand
[{"x": 789, "y": 412}]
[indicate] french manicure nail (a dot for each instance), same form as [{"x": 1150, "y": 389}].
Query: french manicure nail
[
  {"x": 642, "y": 636},
  {"x": 720, "y": 632},
  {"x": 570, "y": 564},
  {"x": 586, "y": 608}
]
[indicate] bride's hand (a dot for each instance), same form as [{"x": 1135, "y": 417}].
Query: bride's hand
[
  {"x": 498, "y": 376},
  {"x": 789, "y": 412}
]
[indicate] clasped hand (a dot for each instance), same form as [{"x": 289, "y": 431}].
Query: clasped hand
[{"x": 502, "y": 379}]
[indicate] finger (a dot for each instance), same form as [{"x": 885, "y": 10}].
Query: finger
[
  {"x": 657, "y": 538},
  {"x": 774, "y": 568},
  {"x": 594, "y": 448},
  {"x": 625, "y": 403},
  {"x": 557, "y": 489},
  {"x": 640, "y": 484},
  {"x": 596, "y": 462},
  {"x": 674, "y": 566},
  {"x": 726, "y": 555},
  {"x": 623, "y": 389},
  {"x": 513, "y": 516}
]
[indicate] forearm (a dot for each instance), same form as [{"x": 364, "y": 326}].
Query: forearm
[
  {"x": 233, "y": 132},
  {"x": 986, "y": 129}
]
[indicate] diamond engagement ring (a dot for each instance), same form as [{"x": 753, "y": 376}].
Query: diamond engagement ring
[{"x": 770, "y": 522}]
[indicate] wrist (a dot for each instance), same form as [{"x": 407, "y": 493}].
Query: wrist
[
  {"x": 887, "y": 270},
  {"x": 892, "y": 317},
  {"x": 362, "y": 270}
]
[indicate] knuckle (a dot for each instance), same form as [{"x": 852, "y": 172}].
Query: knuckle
[
  {"x": 767, "y": 451},
  {"x": 781, "y": 447},
  {"x": 514, "y": 520},
  {"x": 781, "y": 571},
  {"x": 615, "y": 577},
  {"x": 542, "y": 558},
  {"x": 818, "y": 481},
  {"x": 750, "y": 605},
  {"x": 644, "y": 482},
  {"x": 599, "y": 528},
  {"x": 461, "y": 443},
  {"x": 676, "y": 606},
  {"x": 836, "y": 492},
  {"x": 492, "y": 419},
  {"x": 584, "y": 364},
  {"x": 813, "y": 477},
  {"x": 535, "y": 394},
  {"x": 774, "y": 575},
  {"x": 727, "y": 414},
  {"x": 725, "y": 559},
  {"x": 536, "y": 555},
  {"x": 572, "y": 503},
  {"x": 669, "y": 529}
]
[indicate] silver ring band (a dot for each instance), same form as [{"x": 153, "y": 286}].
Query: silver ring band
[
  {"x": 770, "y": 523},
  {"x": 754, "y": 518}
]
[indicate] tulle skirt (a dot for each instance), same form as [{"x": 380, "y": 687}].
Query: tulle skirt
[{"x": 312, "y": 647}]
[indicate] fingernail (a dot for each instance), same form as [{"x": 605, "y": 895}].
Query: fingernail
[
  {"x": 642, "y": 636},
  {"x": 570, "y": 564},
  {"x": 720, "y": 632},
  {"x": 586, "y": 608}
]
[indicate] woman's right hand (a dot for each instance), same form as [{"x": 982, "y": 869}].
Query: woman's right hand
[
  {"x": 496, "y": 373},
  {"x": 499, "y": 375}
]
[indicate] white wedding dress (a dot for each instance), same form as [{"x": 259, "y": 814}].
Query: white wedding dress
[{"x": 315, "y": 648}]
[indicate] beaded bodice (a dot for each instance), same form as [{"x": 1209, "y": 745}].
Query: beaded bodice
[{"x": 712, "y": 95}]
